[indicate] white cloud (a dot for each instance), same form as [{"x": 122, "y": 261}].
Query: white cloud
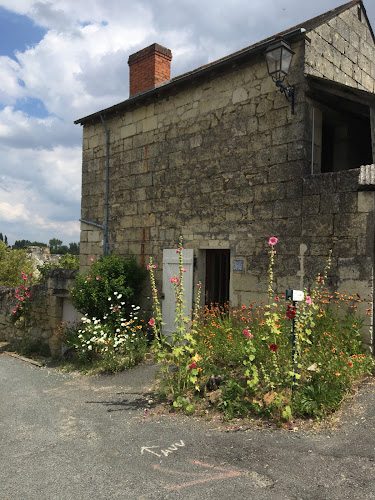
[{"x": 80, "y": 66}]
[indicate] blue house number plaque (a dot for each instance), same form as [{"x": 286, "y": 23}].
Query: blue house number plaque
[{"x": 238, "y": 265}]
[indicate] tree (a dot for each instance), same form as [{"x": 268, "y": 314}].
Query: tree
[
  {"x": 12, "y": 264},
  {"x": 6, "y": 240},
  {"x": 19, "y": 244},
  {"x": 74, "y": 248},
  {"x": 1, "y": 237},
  {"x": 54, "y": 245}
]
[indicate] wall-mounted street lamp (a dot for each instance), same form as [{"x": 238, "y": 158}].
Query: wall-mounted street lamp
[{"x": 279, "y": 57}]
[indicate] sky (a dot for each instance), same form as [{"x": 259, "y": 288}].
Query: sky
[{"x": 61, "y": 60}]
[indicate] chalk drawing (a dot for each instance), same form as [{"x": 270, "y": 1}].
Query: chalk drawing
[
  {"x": 222, "y": 473},
  {"x": 166, "y": 452}
]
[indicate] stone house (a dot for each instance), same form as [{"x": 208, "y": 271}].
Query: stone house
[{"x": 218, "y": 156}]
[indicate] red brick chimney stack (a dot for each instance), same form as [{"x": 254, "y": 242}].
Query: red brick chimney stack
[{"x": 148, "y": 67}]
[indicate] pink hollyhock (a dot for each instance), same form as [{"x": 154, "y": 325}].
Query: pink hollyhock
[
  {"x": 193, "y": 365},
  {"x": 92, "y": 259},
  {"x": 308, "y": 300},
  {"x": 272, "y": 240},
  {"x": 14, "y": 311},
  {"x": 151, "y": 322},
  {"x": 148, "y": 267},
  {"x": 246, "y": 333},
  {"x": 97, "y": 278}
]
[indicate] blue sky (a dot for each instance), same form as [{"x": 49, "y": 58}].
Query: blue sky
[{"x": 61, "y": 60}]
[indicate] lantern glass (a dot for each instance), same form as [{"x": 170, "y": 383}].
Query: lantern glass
[{"x": 279, "y": 57}]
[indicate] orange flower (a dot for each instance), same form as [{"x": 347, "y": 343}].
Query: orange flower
[
  {"x": 243, "y": 307},
  {"x": 350, "y": 364}
]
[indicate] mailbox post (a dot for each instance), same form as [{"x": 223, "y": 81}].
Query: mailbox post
[{"x": 294, "y": 296}]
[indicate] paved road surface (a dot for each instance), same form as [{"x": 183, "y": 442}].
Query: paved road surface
[{"x": 71, "y": 437}]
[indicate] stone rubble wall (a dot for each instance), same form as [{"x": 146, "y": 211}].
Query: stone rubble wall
[{"x": 46, "y": 313}]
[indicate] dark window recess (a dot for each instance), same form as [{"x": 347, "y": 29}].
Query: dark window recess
[
  {"x": 217, "y": 277},
  {"x": 346, "y": 141}
]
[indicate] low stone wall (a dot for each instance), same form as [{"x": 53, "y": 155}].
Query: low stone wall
[{"x": 47, "y": 311}]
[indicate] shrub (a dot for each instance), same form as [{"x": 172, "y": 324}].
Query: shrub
[
  {"x": 116, "y": 342},
  {"x": 91, "y": 290},
  {"x": 13, "y": 265}
]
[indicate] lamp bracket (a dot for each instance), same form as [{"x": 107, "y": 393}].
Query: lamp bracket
[{"x": 288, "y": 92}]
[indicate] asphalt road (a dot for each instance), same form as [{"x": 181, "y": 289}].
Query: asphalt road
[{"x": 72, "y": 437}]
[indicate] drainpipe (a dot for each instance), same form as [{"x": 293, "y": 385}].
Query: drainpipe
[
  {"x": 313, "y": 141},
  {"x": 105, "y": 226}
]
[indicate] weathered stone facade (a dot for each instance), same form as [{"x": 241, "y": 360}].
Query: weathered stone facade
[{"x": 220, "y": 160}]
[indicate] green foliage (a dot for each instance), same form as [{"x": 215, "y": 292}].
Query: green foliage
[
  {"x": 20, "y": 244},
  {"x": 251, "y": 351},
  {"x": 110, "y": 274},
  {"x": 12, "y": 263},
  {"x": 115, "y": 343},
  {"x": 179, "y": 371}
]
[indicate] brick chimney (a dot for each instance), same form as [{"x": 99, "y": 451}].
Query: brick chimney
[{"x": 148, "y": 67}]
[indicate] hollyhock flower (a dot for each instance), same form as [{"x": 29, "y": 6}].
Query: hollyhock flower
[
  {"x": 151, "y": 322},
  {"x": 290, "y": 312},
  {"x": 246, "y": 333},
  {"x": 320, "y": 279},
  {"x": 273, "y": 347},
  {"x": 148, "y": 267},
  {"x": 272, "y": 241},
  {"x": 193, "y": 365},
  {"x": 308, "y": 300},
  {"x": 185, "y": 270},
  {"x": 14, "y": 311},
  {"x": 97, "y": 278},
  {"x": 92, "y": 259}
]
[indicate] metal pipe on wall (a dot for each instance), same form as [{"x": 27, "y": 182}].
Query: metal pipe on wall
[{"x": 106, "y": 206}]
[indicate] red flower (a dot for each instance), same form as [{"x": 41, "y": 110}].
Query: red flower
[
  {"x": 193, "y": 365},
  {"x": 246, "y": 333},
  {"x": 290, "y": 312},
  {"x": 320, "y": 279},
  {"x": 151, "y": 322},
  {"x": 273, "y": 347}
]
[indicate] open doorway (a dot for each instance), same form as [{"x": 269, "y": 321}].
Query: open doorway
[{"x": 217, "y": 277}]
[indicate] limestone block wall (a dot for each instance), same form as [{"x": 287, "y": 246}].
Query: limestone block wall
[
  {"x": 338, "y": 215},
  {"x": 343, "y": 50},
  {"x": 214, "y": 163}
]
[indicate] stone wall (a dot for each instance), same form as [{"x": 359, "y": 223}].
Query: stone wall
[
  {"x": 45, "y": 314},
  {"x": 342, "y": 50},
  {"x": 213, "y": 163}
]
